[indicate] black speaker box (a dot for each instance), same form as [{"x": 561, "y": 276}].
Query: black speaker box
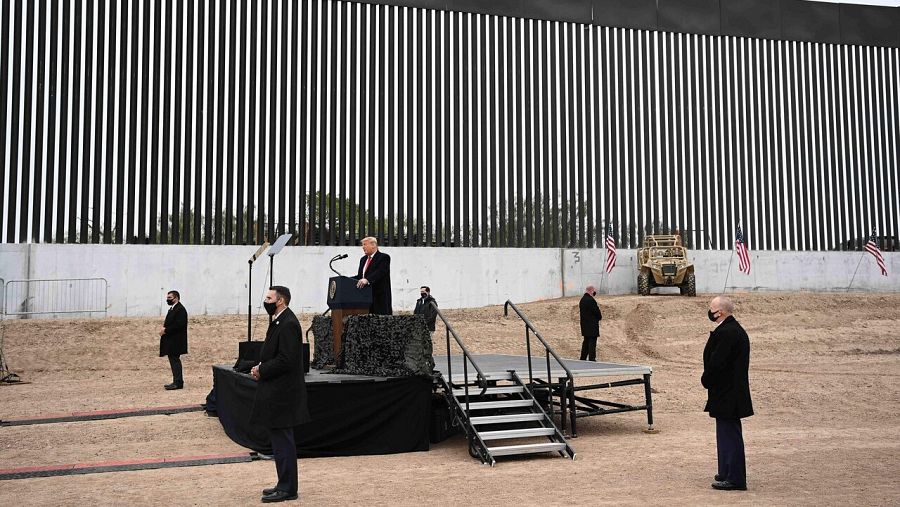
[
  {"x": 442, "y": 426},
  {"x": 250, "y": 351}
]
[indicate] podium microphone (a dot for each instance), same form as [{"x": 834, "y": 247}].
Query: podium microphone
[{"x": 336, "y": 258}]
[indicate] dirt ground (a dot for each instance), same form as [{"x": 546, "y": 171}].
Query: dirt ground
[{"x": 825, "y": 379}]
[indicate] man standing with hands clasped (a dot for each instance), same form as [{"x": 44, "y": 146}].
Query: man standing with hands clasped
[
  {"x": 726, "y": 361},
  {"x": 173, "y": 341},
  {"x": 280, "y": 402},
  {"x": 590, "y": 317}
]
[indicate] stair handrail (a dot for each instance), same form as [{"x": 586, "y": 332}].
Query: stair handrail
[
  {"x": 547, "y": 347},
  {"x": 559, "y": 434},
  {"x": 476, "y": 444},
  {"x": 467, "y": 357}
]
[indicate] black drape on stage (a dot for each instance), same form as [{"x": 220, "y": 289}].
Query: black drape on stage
[{"x": 349, "y": 418}]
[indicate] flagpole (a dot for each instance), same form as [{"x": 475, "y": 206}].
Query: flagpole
[
  {"x": 727, "y": 273},
  {"x": 855, "y": 270},
  {"x": 603, "y": 272}
]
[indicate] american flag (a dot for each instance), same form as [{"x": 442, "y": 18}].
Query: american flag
[
  {"x": 872, "y": 248},
  {"x": 743, "y": 254},
  {"x": 610, "y": 250}
]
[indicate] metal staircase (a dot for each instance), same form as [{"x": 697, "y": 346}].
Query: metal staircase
[
  {"x": 500, "y": 416},
  {"x": 504, "y": 419}
]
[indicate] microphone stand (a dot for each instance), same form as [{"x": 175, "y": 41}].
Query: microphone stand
[{"x": 336, "y": 258}]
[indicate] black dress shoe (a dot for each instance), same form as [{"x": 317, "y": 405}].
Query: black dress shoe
[
  {"x": 719, "y": 478},
  {"x": 173, "y": 386},
  {"x": 269, "y": 491},
  {"x": 729, "y": 486},
  {"x": 279, "y": 496}
]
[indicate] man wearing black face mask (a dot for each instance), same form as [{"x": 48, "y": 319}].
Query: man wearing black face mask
[
  {"x": 590, "y": 316},
  {"x": 280, "y": 402},
  {"x": 423, "y": 307},
  {"x": 726, "y": 361},
  {"x": 173, "y": 338}
]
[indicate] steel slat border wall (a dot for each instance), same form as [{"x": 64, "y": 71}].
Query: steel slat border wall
[{"x": 229, "y": 122}]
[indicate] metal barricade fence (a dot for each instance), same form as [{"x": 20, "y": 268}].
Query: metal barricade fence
[{"x": 50, "y": 297}]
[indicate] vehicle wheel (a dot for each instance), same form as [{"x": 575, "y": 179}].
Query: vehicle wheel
[
  {"x": 690, "y": 285},
  {"x": 644, "y": 284}
]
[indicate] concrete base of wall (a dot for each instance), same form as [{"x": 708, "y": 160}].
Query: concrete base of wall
[{"x": 214, "y": 279}]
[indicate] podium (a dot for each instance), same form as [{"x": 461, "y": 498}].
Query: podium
[{"x": 345, "y": 299}]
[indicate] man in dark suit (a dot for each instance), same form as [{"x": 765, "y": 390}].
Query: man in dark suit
[
  {"x": 173, "y": 338},
  {"x": 590, "y": 316},
  {"x": 726, "y": 361},
  {"x": 280, "y": 402},
  {"x": 375, "y": 270}
]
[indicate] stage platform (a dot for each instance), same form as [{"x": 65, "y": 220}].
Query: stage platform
[
  {"x": 360, "y": 414},
  {"x": 497, "y": 366},
  {"x": 566, "y": 397}
]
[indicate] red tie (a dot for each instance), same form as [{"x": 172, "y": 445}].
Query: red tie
[{"x": 368, "y": 261}]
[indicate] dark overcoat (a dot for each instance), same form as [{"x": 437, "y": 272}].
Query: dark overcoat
[
  {"x": 589, "y": 313},
  {"x": 424, "y": 308},
  {"x": 174, "y": 342},
  {"x": 280, "y": 400},
  {"x": 379, "y": 277},
  {"x": 726, "y": 363}
]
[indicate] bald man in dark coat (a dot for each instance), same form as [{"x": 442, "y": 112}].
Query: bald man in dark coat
[
  {"x": 589, "y": 317},
  {"x": 726, "y": 363}
]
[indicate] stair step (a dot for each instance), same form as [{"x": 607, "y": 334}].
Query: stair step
[
  {"x": 509, "y": 450},
  {"x": 509, "y": 418},
  {"x": 474, "y": 391},
  {"x": 483, "y": 405},
  {"x": 521, "y": 433}
]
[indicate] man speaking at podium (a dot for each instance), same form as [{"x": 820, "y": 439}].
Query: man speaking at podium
[{"x": 375, "y": 270}]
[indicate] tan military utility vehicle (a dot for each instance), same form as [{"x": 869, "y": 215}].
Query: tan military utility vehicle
[{"x": 663, "y": 262}]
